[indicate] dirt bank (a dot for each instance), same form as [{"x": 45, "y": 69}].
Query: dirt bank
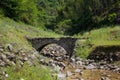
[{"x": 106, "y": 53}]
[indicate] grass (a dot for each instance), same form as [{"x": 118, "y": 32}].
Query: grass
[
  {"x": 107, "y": 36},
  {"x": 13, "y": 32},
  {"x": 28, "y": 73}
]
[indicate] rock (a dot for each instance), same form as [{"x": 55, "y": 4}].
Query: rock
[
  {"x": 30, "y": 63},
  {"x": 20, "y": 63},
  {"x": 65, "y": 57},
  {"x": 79, "y": 63},
  {"x": 90, "y": 61},
  {"x": 32, "y": 57},
  {"x": 117, "y": 69},
  {"x": 73, "y": 65},
  {"x": 61, "y": 64},
  {"x": 103, "y": 63},
  {"x": 2, "y": 63},
  {"x": 61, "y": 76},
  {"x": 3, "y": 56},
  {"x": 102, "y": 78},
  {"x": 101, "y": 67},
  {"x": 78, "y": 70},
  {"x": 53, "y": 65},
  {"x": 1, "y": 46},
  {"x": 12, "y": 63},
  {"x": 9, "y": 47},
  {"x": 1, "y": 50},
  {"x": 86, "y": 62},
  {"x": 90, "y": 66},
  {"x": 42, "y": 61},
  {"x": 80, "y": 79},
  {"x": 59, "y": 59},
  {"x": 81, "y": 73},
  {"x": 11, "y": 57},
  {"x": 69, "y": 73},
  {"x": 57, "y": 68},
  {"x": 5, "y": 59},
  {"x": 25, "y": 58},
  {"x": 6, "y": 75},
  {"x": 112, "y": 67},
  {"x": 108, "y": 75},
  {"x": 22, "y": 79},
  {"x": 72, "y": 60},
  {"x": 78, "y": 59},
  {"x": 105, "y": 78},
  {"x": 51, "y": 61}
]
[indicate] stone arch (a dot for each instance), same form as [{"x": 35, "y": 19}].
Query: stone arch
[
  {"x": 41, "y": 47},
  {"x": 67, "y": 43}
]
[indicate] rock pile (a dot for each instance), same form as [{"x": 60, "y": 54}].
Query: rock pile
[
  {"x": 54, "y": 51},
  {"x": 60, "y": 62},
  {"x": 56, "y": 58},
  {"x": 106, "y": 53},
  {"x": 11, "y": 57}
]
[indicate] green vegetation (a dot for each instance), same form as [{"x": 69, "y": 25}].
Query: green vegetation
[
  {"x": 12, "y": 32},
  {"x": 106, "y": 36},
  {"x": 29, "y": 73},
  {"x": 94, "y": 20},
  {"x": 63, "y": 16}
]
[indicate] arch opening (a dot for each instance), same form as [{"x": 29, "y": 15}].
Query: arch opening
[{"x": 53, "y": 49}]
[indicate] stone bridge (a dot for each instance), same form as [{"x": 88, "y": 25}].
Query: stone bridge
[{"x": 67, "y": 43}]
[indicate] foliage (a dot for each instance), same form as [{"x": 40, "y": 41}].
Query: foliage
[
  {"x": 83, "y": 15},
  {"x": 111, "y": 17},
  {"x": 20, "y": 10}
]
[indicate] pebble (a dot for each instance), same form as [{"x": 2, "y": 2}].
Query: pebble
[
  {"x": 69, "y": 73},
  {"x": 78, "y": 70},
  {"x": 9, "y": 46},
  {"x": 61, "y": 76},
  {"x": 6, "y": 75},
  {"x": 21, "y": 79},
  {"x": 80, "y": 79}
]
